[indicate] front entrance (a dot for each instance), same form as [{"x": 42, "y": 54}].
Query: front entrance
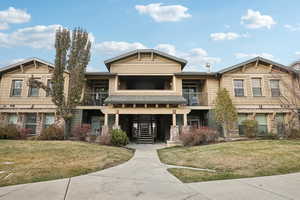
[{"x": 146, "y": 129}]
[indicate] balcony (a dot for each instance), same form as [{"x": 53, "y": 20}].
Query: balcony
[
  {"x": 94, "y": 98},
  {"x": 195, "y": 98}
]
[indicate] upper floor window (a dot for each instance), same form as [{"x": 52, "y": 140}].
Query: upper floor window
[
  {"x": 49, "y": 85},
  {"x": 239, "y": 88},
  {"x": 33, "y": 91},
  {"x": 16, "y": 88},
  {"x": 275, "y": 90},
  {"x": 256, "y": 87}
]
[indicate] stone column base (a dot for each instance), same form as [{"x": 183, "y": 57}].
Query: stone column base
[
  {"x": 174, "y": 137},
  {"x": 105, "y": 130}
]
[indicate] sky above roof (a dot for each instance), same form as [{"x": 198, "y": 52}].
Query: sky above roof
[{"x": 208, "y": 31}]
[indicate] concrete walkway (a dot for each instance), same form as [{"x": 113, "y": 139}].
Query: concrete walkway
[{"x": 145, "y": 177}]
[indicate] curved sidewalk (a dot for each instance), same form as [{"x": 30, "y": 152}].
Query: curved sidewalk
[{"x": 145, "y": 177}]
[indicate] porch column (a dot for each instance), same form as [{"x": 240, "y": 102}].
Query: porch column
[
  {"x": 116, "y": 125},
  {"x": 185, "y": 119},
  {"x": 174, "y": 132},
  {"x": 104, "y": 129}
]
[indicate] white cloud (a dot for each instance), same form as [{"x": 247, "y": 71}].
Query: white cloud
[
  {"x": 161, "y": 13},
  {"x": 227, "y": 26},
  {"x": 197, "y": 58},
  {"x": 252, "y": 55},
  {"x": 114, "y": 47},
  {"x": 167, "y": 48},
  {"x": 297, "y": 53},
  {"x": 36, "y": 37},
  {"x": 292, "y": 27},
  {"x": 227, "y": 36},
  {"x": 13, "y": 16},
  {"x": 253, "y": 20}
]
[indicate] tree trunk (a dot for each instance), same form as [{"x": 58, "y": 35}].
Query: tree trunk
[
  {"x": 67, "y": 128},
  {"x": 225, "y": 132}
]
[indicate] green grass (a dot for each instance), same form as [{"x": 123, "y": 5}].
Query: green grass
[
  {"x": 33, "y": 161},
  {"x": 234, "y": 159}
]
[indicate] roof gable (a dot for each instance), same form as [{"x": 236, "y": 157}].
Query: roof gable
[
  {"x": 138, "y": 51},
  {"x": 257, "y": 60},
  {"x": 25, "y": 63}
]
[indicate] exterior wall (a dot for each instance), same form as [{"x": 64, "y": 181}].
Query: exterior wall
[
  {"x": 145, "y": 65},
  {"x": 42, "y": 72},
  {"x": 24, "y": 104}
]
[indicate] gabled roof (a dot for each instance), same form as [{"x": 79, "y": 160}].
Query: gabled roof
[
  {"x": 256, "y": 59},
  {"x": 15, "y": 65},
  {"x": 125, "y": 55},
  {"x": 195, "y": 74}
]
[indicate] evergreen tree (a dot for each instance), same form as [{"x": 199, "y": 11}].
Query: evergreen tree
[
  {"x": 225, "y": 111},
  {"x": 72, "y": 56}
]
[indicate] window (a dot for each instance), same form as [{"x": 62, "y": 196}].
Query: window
[
  {"x": 256, "y": 87},
  {"x": 242, "y": 117},
  {"x": 12, "y": 119},
  {"x": 49, "y": 120},
  {"x": 31, "y": 122},
  {"x": 239, "y": 88},
  {"x": 33, "y": 92},
  {"x": 49, "y": 85},
  {"x": 275, "y": 90},
  {"x": 262, "y": 124},
  {"x": 16, "y": 88}
]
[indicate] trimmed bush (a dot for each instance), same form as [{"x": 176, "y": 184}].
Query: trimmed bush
[
  {"x": 9, "y": 131},
  {"x": 293, "y": 133},
  {"x": 250, "y": 128},
  {"x": 198, "y": 136},
  {"x": 24, "y": 132},
  {"x": 119, "y": 137},
  {"x": 52, "y": 133},
  {"x": 81, "y": 131}
]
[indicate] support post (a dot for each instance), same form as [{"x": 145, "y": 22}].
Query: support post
[
  {"x": 174, "y": 132},
  {"x": 104, "y": 129},
  {"x": 116, "y": 125}
]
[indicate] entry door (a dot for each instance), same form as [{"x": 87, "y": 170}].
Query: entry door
[{"x": 96, "y": 125}]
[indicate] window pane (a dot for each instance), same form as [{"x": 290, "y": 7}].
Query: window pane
[
  {"x": 49, "y": 119},
  {"x": 239, "y": 92},
  {"x": 49, "y": 85},
  {"x": 31, "y": 118},
  {"x": 256, "y": 82},
  {"x": 261, "y": 119},
  {"x": 241, "y": 118},
  {"x": 238, "y": 83},
  {"x": 274, "y": 83},
  {"x": 257, "y": 92},
  {"x": 12, "y": 119},
  {"x": 33, "y": 92}
]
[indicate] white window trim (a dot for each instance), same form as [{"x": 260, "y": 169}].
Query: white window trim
[
  {"x": 262, "y": 85},
  {"x": 280, "y": 88},
  {"x": 244, "y": 85}
]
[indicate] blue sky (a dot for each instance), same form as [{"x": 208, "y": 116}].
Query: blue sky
[{"x": 201, "y": 31}]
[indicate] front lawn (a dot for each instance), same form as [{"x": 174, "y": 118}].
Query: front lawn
[
  {"x": 32, "y": 161},
  {"x": 234, "y": 159}
]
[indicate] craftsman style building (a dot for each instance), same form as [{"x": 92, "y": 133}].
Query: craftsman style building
[{"x": 146, "y": 93}]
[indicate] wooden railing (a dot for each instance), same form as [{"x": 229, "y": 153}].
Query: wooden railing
[
  {"x": 195, "y": 98},
  {"x": 94, "y": 98}
]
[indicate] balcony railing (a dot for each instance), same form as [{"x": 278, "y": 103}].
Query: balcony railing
[
  {"x": 195, "y": 98},
  {"x": 95, "y": 98}
]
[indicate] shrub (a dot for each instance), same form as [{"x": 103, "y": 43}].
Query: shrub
[
  {"x": 24, "y": 132},
  {"x": 105, "y": 139},
  {"x": 9, "y": 131},
  {"x": 293, "y": 133},
  {"x": 119, "y": 137},
  {"x": 197, "y": 136},
  {"x": 81, "y": 131},
  {"x": 52, "y": 133},
  {"x": 270, "y": 136},
  {"x": 250, "y": 128}
]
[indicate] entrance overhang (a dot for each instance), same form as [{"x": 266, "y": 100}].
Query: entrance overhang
[{"x": 148, "y": 111}]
